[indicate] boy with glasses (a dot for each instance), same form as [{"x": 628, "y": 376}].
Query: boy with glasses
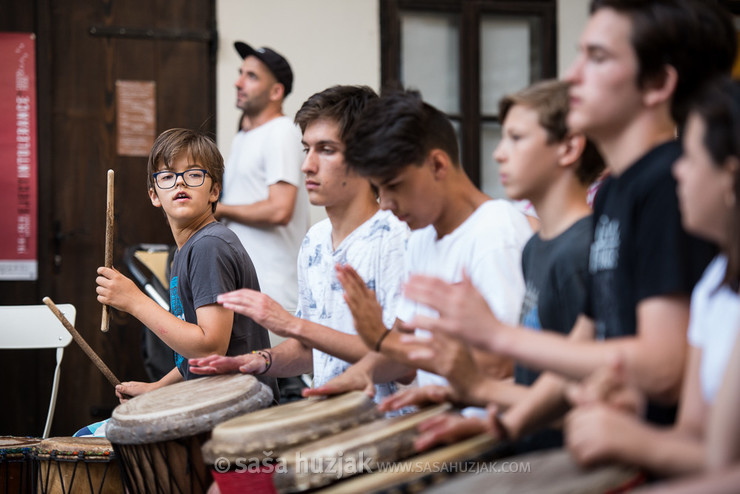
[{"x": 185, "y": 173}]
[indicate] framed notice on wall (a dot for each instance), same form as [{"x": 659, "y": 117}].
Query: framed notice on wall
[
  {"x": 18, "y": 158},
  {"x": 137, "y": 117}
]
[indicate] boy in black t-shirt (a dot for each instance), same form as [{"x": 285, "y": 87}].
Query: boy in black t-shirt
[
  {"x": 639, "y": 64},
  {"x": 185, "y": 178}
]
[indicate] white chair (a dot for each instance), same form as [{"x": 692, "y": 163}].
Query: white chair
[{"x": 36, "y": 326}]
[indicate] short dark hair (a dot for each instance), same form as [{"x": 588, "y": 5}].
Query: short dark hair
[
  {"x": 550, "y": 100},
  {"x": 718, "y": 106},
  {"x": 397, "y": 130},
  {"x": 696, "y": 37},
  {"x": 342, "y": 104},
  {"x": 173, "y": 142}
]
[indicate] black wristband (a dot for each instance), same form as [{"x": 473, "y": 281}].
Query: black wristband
[
  {"x": 380, "y": 340},
  {"x": 268, "y": 360}
]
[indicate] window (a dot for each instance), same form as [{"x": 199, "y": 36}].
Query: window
[{"x": 463, "y": 55}]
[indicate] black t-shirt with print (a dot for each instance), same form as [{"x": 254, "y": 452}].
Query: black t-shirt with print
[{"x": 640, "y": 249}]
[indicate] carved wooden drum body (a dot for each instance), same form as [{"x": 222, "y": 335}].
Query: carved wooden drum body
[
  {"x": 158, "y": 435},
  {"x": 16, "y": 463},
  {"x": 243, "y": 451},
  {"x": 77, "y": 464}
]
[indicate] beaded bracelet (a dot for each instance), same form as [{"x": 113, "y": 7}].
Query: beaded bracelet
[{"x": 268, "y": 359}]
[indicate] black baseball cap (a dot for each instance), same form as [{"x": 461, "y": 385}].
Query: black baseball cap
[{"x": 277, "y": 64}]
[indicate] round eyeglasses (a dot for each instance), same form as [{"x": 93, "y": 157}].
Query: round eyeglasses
[{"x": 192, "y": 178}]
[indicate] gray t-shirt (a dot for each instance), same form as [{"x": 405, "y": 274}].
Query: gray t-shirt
[
  {"x": 556, "y": 278},
  {"x": 211, "y": 262}
]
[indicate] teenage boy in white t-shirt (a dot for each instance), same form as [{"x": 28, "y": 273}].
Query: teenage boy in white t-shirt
[
  {"x": 320, "y": 337},
  {"x": 408, "y": 149}
]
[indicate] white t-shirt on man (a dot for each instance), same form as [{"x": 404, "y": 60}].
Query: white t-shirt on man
[
  {"x": 375, "y": 250},
  {"x": 261, "y": 157},
  {"x": 488, "y": 246}
]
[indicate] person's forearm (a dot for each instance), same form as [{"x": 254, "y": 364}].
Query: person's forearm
[
  {"x": 665, "y": 452},
  {"x": 290, "y": 358},
  {"x": 187, "y": 339},
  {"x": 347, "y": 347},
  {"x": 543, "y": 402},
  {"x": 553, "y": 352},
  {"x": 171, "y": 377},
  {"x": 503, "y": 392},
  {"x": 382, "y": 369},
  {"x": 260, "y": 213}
]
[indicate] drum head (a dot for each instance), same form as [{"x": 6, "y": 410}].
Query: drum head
[
  {"x": 417, "y": 473},
  {"x": 89, "y": 448},
  {"x": 249, "y": 436},
  {"x": 354, "y": 451},
  {"x": 10, "y": 445},
  {"x": 543, "y": 472},
  {"x": 186, "y": 408}
]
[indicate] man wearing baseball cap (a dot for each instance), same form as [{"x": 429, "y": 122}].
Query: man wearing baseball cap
[{"x": 264, "y": 201}]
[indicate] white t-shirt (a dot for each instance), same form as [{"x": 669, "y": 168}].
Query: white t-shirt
[
  {"x": 488, "y": 246},
  {"x": 713, "y": 325},
  {"x": 375, "y": 249},
  {"x": 261, "y": 157}
]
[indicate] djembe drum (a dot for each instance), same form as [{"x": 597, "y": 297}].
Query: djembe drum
[
  {"x": 158, "y": 435},
  {"x": 359, "y": 450},
  {"x": 544, "y": 472},
  {"x": 243, "y": 450},
  {"x": 77, "y": 464},
  {"x": 426, "y": 469},
  {"x": 16, "y": 463}
]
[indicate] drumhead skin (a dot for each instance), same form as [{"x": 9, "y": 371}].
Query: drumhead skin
[
  {"x": 74, "y": 447},
  {"x": 351, "y": 452},
  {"x": 416, "y": 473},
  {"x": 284, "y": 426},
  {"x": 11, "y": 445},
  {"x": 186, "y": 408},
  {"x": 544, "y": 472}
]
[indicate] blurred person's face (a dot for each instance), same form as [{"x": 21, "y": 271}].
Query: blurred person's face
[
  {"x": 527, "y": 162},
  {"x": 253, "y": 86},
  {"x": 604, "y": 96},
  {"x": 703, "y": 186}
]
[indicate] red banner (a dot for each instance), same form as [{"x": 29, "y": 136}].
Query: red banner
[{"x": 18, "y": 160}]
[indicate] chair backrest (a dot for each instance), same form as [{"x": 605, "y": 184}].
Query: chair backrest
[{"x": 36, "y": 326}]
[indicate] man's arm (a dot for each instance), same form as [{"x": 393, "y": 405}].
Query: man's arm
[
  {"x": 654, "y": 358},
  {"x": 277, "y": 209},
  {"x": 271, "y": 315},
  {"x": 289, "y": 358}
]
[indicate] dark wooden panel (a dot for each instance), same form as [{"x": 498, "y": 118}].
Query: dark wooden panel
[{"x": 77, "y": 72}]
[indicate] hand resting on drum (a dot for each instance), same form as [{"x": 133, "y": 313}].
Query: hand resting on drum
[
  {"x": 420, "y": 397},
  {"x": 218, "y": 364},
  {"x": 450, "y": 428},
  {"x": 353, "y": 379}
]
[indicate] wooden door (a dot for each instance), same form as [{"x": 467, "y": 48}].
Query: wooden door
[{"x": 84, "y": 47}]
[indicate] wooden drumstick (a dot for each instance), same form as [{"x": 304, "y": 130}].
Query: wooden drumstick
[
  {"x": 83, "y": 344},
  {"x": 105, "y": 323}
]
